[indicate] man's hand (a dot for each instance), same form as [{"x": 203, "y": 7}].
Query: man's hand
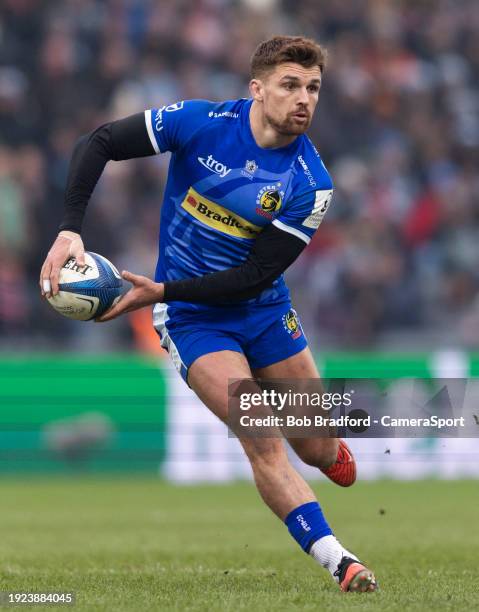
[
  {"x": 143, "y": 293},
  {"x": 66, "y": 245}
]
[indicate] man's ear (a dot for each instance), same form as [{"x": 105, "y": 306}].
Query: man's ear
[{"x": 256, "y": 89}]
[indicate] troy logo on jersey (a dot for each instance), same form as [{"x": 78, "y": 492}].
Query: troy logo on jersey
[
  {"x": 217, "y": 217},
  {"x": 215, "y": 166}
]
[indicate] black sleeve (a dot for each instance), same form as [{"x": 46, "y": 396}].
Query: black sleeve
[
  {"x": 123, "y": 139},
  {"x": 273, "y": 251}
]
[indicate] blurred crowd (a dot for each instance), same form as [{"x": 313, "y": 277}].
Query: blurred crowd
[{"x": 395, "y": 261}]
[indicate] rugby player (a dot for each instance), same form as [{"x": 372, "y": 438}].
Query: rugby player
[{"x": 246, "y": 191}]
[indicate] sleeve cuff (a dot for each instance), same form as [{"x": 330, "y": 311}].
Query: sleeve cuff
[
  {"x": 149, "y": 128},
  {"x": 292, "y": 230}
]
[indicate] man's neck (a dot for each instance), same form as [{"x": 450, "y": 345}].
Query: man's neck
[{"x": 264, "y": 134}]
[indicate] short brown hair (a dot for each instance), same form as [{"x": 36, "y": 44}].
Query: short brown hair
[{"x": 282, "y": 49}]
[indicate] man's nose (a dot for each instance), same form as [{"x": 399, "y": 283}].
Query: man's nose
[{"x": 303, "y": 97}]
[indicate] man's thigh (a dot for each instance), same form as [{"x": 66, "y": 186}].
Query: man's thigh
[
  {"x": 210, "y": 374},
  {"x": 299, "y": 366},
  {"x": 209, "y": 377}
]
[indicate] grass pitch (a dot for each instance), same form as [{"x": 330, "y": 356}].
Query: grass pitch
[{"x": 139, "y": 544}]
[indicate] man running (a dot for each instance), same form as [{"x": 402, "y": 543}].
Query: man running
[{"x": 246, "y": 191}]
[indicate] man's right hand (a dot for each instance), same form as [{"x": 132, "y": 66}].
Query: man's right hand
[{"x": 66, "y": 245}]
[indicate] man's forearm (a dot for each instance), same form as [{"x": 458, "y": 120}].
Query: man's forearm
[
  {"x": 273, "y": 251},
  {"x": 234, "y": 284}
]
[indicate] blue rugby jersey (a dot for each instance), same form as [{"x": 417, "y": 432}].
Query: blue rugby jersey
[{"x": 223, "y": 189}]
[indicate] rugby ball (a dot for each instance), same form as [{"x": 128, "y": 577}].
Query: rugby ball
[{"x": 86, "y": 292}]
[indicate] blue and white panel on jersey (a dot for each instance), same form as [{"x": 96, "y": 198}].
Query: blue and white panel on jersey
[
  {"x": 170, "y": 127},
  {"x": 304, "y": 214}
]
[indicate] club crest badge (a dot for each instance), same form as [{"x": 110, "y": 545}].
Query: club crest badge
[
  {"x": 292, "y": 325},
  {"x": 269, "y": 201}
]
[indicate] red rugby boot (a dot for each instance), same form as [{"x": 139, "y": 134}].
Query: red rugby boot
[
  {"x": 353, "y": 576},
  {"x": 343, "y": 472}
]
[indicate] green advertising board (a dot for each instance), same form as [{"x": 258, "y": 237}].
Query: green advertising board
[
  {"x": 65, "y": 413},
  {"x": 110, "y": 413}
]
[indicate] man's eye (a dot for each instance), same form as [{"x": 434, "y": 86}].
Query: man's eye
[
  {"x": 313, "y": 88},
  {"x": 289, "y": 86}
]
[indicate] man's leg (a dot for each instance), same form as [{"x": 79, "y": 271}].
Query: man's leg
[
  {"x": 280, "y": 486},
  {"x": 330, "y": 455},
  {"x": 278, "y": 483},
  {"x": 333, "y": 457}
]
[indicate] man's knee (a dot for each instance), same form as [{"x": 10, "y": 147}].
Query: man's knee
[{"x": 321, "y": 453}]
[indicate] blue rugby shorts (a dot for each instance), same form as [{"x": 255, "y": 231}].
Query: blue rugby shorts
[{"x": 263, "y": 333}]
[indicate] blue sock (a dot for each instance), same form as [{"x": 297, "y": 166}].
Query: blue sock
[{"x": 307, "y": 524}]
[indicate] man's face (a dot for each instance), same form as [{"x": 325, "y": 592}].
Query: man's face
[{"x": 289, "y": 94}]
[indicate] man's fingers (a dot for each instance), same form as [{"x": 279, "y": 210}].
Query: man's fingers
[
  {"x": 45, "y": 283},
  {"x": 78, "y": 253},
  {"x": 110, "y": 314},
  {"x": 51, "y": 273},
  {"x": 66, "y": 245},
  {"x": 46, "y": 286},
  {"x": 128, "y": 276},
  {"x": 54, "y": 278},
  {"x": 115, "y": 311},
  {"x": 80, "y": 259},
  {"x": 40, "y": 280}
]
